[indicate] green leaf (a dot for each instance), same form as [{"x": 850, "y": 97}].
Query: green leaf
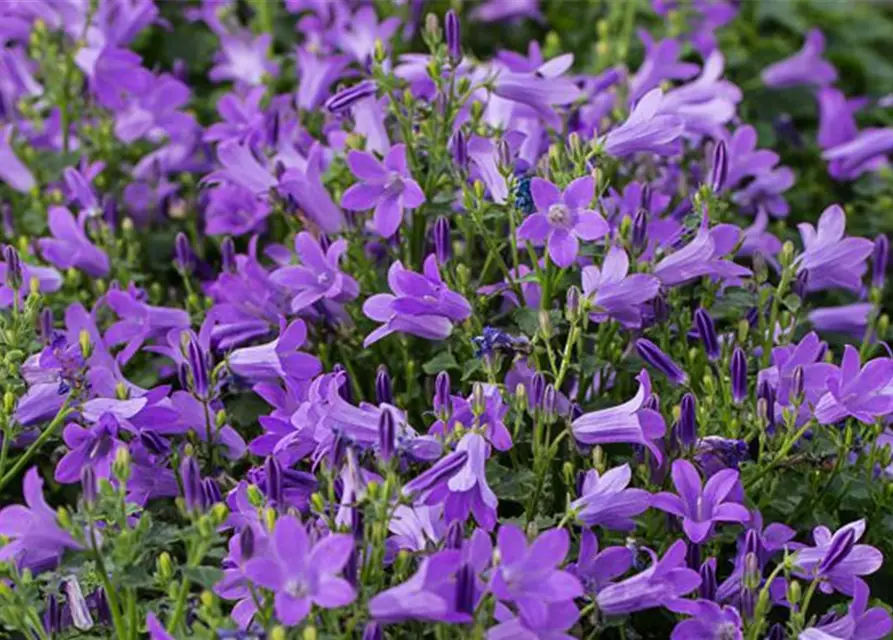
[
  {"x": 207, "y": 577},
  {"x": 441, "y": 362},
  {"x": 470, "y": 368}
]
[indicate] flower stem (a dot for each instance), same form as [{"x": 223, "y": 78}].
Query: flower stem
[{"x": 35, "y": 446}]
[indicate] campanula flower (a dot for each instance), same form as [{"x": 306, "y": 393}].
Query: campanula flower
[
  {"x": 597, "y": 569},
  {"x": 421, "y": 304},
  {"x": 805, "y": 67},
  {"x": 837, "y": 559},
  {"x": 489, "y": 417},
  {"x": 278, "y": 358},
  {"x": 69, "y": 245},
  {"x": 605, "y": 500},
  {"x": 318, "y": 276},
  {"x": 701, "y": 505},
  {"x": 703, "y": 256},
  {"x": 661, "y": 63},
  {"x": 645, "y": 130},
  {"x": 709, "y": 620},
  {"x": 243, "y": 58},
  {"x": 12, "y": 170},
  {"x": 301, "y": 572},
  {"x": 856, "y": 391},
  {"x": 385, "y": 186},
  {"x": 867, "y": 151},
  {"x": 469, "y": 493},
  {"x": 613, "y": 293},
  {"x": 630, "y": 422},
  {"x": 563, "y": 218},
  {"x": 95, "y": 447},
  {"x": 832, "y": 259},
  {"x": 139, "y": 322},
  {"x": 35, "y": 540}
]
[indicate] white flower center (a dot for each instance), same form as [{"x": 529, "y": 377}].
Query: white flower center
[{"x": 559, "y": 215}]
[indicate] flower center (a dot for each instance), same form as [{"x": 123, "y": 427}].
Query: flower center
[
  {"x": 324, "y": 278},
  {"x": 727, "y": 631},
  {"x": 559, "y": 215},
  {"x": 296, "y": 588}
]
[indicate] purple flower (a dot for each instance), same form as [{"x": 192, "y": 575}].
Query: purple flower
[
  {"x": 745, "y": 160},
  {"x": 139, "y": 322},
  {"x": 241, "y": 118},
  {"x": 489, "y": 417},
  {"x": 662, "y": 584},
  {"x": 12, "y": 170},
  {"x": 703, "y": 256},
  {"x": 387, "y": 187},
  {"x": 837, "y": 559},
  {"x": 805, "y": 67},
  {"x": 279, "y": 358},
  {"x": 156, "y": 629},
  {"x": 867, "y": 151},
  {"x": 837, "y": 124},
  {"x": 848, "y": 319},
  {"x": 69, "y": 247},
  {"x": 807, "y": 356},
  {"x": 563, "y": 218},
  {"x": 661, "y": 63},
  {"x": 421, "y": 305},
  {"x": 553, "y": 624},
  {"x": 499, "y": 10},
  {"x": 528, "y": 575},
  {"x": 709, "y": 620},
  {"x": 357, "y": 34},
  {"x": 302, "y": 573},
  {"x": 318, "y": 276},
  {"x": 94, "y": 447},
  {"x": 629, "y": 422},
  {"x": 855, "y": 391},
  {"x": 871, "y": 624},
  {"x": 645, "y": 130},
  {"x": 469, "y": 493},
  {"x": 35, "y": 540},
  {"x": 831, "y": 259},
  {"x": 605, "y": 500},
  {"x": 114, "y": 74},
  {"x": 615, "y": 294},
  {"x": 597, "y": 569},
  {"x": 316, "y": 73},
  {"x": 700, "y": 506},
  {"x": 541, "y": 90},
  {"x": 243, "y": 58}
]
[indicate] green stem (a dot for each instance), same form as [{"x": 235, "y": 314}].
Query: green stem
[
  {"x": 179, "y": 607},
  {"x": 35, "y": 446},
  {"x": 110, "y": 593}
]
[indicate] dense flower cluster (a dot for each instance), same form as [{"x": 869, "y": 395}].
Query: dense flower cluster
[{"x": 315, "y": 335}]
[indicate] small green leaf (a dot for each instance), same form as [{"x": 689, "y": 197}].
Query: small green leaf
[
  {"x": 441, "y": 362},
  {"x": 207, "y": 577}
]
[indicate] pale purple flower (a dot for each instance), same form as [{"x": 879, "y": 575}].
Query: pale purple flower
[
  {"x": 318, "y": 276},
  {"x": 527, "y": 575},
  {"x": 94, "y": 447},
  {"x": 851, "y": 319},
  {"x": 645, "y": 130},
  {"x": 597, "y": 569},
  {"x": 357, "y": 34},
  {"x": 856, "y": 391},
  {"x": 701, "y": 505},
  {"x": 279, "y": 358},
  {"x": 241, "y": 118},
  {"x": 139, "y": 322},
  {"x": 807, "y": 356},
  {"x": 317, "y": 73},
  {"x": 661, "y": 63},
  {"x": 630, "y": 422},
  {"x": 703, "y": 256},
  {"x": 35, "y": 541},
  {"x": 805, "y": 67},
  {"x": 243, "y": 58},
  {"x": 421, "y": 305},
  {"x": 871, "y": 624},
  {"x": 706, "y": 104},
  {"x": 745, "y": 160},
  {"x": 469, "y": 492},
  {"x": 499, "y": 10},
  {"x": 155, "y": 113},
  {"x": 12, "y": 170},
  {"x": 303, "y": 573},
  {"x": 709, "y": 620},
  {"x": 605, "y": 500},
  {"x": 766, "y": 190},
  {"x": 386, "y": 186},
  {"x": 867, "y": 151},
  {"x": 563, "y": 218},
  {"x": 69, "y": 246},
  {"x": 832, "y": 259},
  {"x": 662, "y": 584},
  {"x": 541, "y": 90},
  {"x": 837, "y": 559}
]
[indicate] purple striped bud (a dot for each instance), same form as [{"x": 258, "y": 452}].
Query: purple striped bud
[
  {"x": 707, "y": 332},
  {"x": 720, "y": 169},
  {"x": 707, "y": 590},
  {"x": 659, "y": 308},
  {"x": 383, "y": 389},
  {"x": 191, "y": 476},
  {"x": 344, "y": 389},
  {"x": 351, "y": 570},
  {"x": 442, "y": 394},
  {"x": 387, "y": 435},
  {"x": 687, "y": 430},
  {"x": 550, "y": 397},
  {"x": 640, "y": 230},
  {"x": 247, "y": 543},
  {"x": 14, "y": 272},
  {"x": 442, "y": 243},
  {"x": 154, "y": 443},
  {"x": 572, "y": 306},
  {"x": 693, "y": 555},
  {"x": 738, "y": 370},
  {"x": 753, "y": 575},
  {"x": 52, "y": 616},
  {"x": 198, "y": 366},
  {"x": 372, "y": 631},
  {"x": 797, "y": 383},
  {"x": 210, "y": 492},
  {"x": 459, "y": 147},
  {"x": 350, "y": 96},
  {"x": 800, "y": 285},
  {"x": 273, "y": 480},
  {"x": 747, "y": 603},
  {"x": 537, "y": 387},
  {"x": 45, "y": 324},
  {"x": 465, "y": 587},
  {"x": 103, "y": 612},
  {"x": 183, "y": 375},
  {"x": 879, "y": 261},
  {"x": 841, "y": 545},
  {"x": 652, "y": 355},
  {"x": 751, "y": 542},
  {"x": 338, "y": 450},
  {"x": 453, "y": 32},
  {"x": 455, "y": 535},
  {"x": 110, "y": 212},
  {"x": 776, "y": 632},
  {"x": 88, "y": 484},
  {"x": 77, "y": 605},
  {"x": 228, "y": 255},
  {"x": 184, "y": 258},
  {"x": 645, "y": 202}
]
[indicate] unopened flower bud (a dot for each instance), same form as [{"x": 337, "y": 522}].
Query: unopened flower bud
[
  {"x": 184, "y": 258},
  {"x": 687, "y": 430},
  {"x": 879, "y": 259},
  {"x": 453, "y": 36},
  {"x": 573, "y": 303},
  {"x": 88, "y": 484},
  {"x": 442, "y": 242},
  {"x": 707, "y": 332},
  {"x": 640, "y": 230},
  {"x": 387, "y": 435},
  {"x": 459, "y": 148},
  {"x": 720, "y": 168},
  {"x": 383, "y": 389}
]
